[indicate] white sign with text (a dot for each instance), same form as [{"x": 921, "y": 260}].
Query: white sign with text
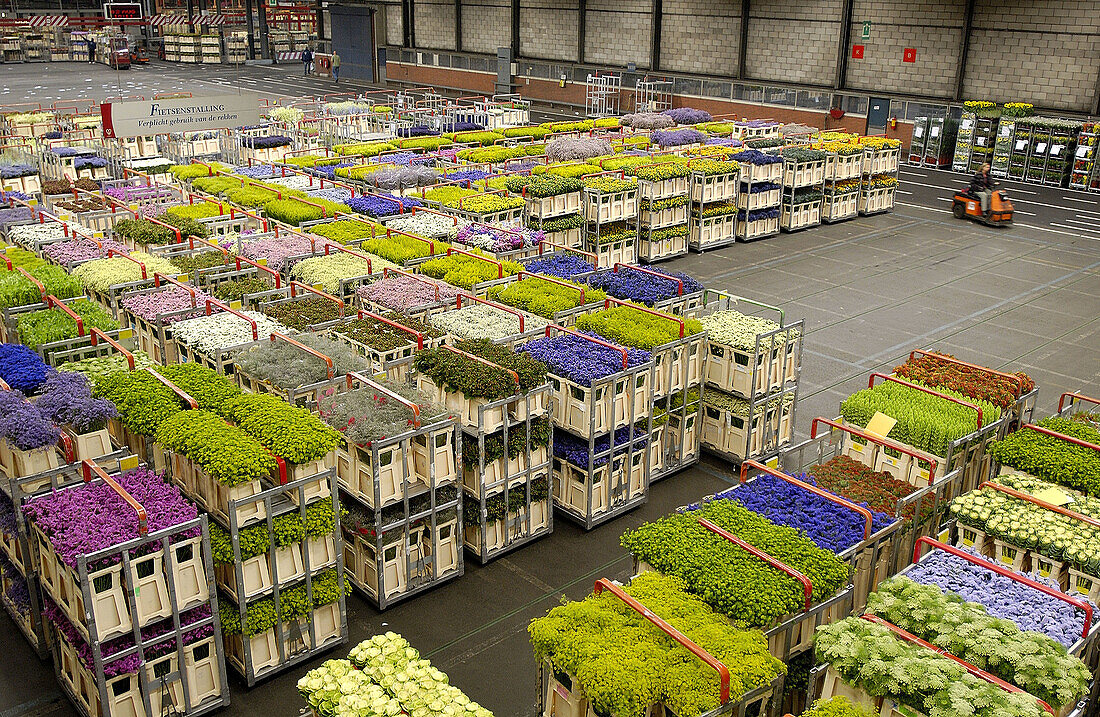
[{"x": 188, "y": 114}]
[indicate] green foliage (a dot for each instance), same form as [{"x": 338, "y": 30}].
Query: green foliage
[
  {"x": 924, "y": 421},
  {"x": 535, "y": 132},
  {"x": 714, "y": 167},
  {"x": 199, "y": 210},
  {"x": 236, "y": 289},
  {"x": 366, "y": 149},
  {"x": 498, "y": 153},
  {"x": 484, "y": 139},
  {"x": 838, "y": 706},
  {"x": 293, "y": 433},
  {"x": 544, "y": 298},
  {"x": 542, "y": 186},
  {"x": 251, "y": 196},
  {"x": 466, "y": 271},
  {"x": 294, "y": 603},
  {"x": 625, "y": 665},
  {"x": 227, "y": 453},
  {"x": 728, "y": 577},
  {"x": 400, "y": 248},
  {"x": 287, "y": 529},
  {"x": 1030, "y": 660},
  {"x": 18, "y": 290},
  {"x": 557, "y": 224},
  {"x": 193, "y": 171},
  {"x": 211, "y": 390},
  {"x": 50, "y": 325},
  {"x": 495, "y": 449},
  {"x": 346, "y": 231},
  {"x": 474, "y": 379},
  {"x": 630, "y": 326},
  {"x": 101, "y": 274},
  {"x": 216, "y": 184},
  {"x": 608, "y": 184},
  {"x": 869, "y": 656},
  {"x": 660, "y": 172},
  {"x": 428, "y": 143},
  {"x": 143, "y": 402},
  {"x": 569, "y": 126},
  {"x": 1053, "y": 458},
  {"x": 573, "y": 170},
  {"x": 295, "y": 212}
]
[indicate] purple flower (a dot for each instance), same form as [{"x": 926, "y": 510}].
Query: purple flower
[
  {"x": 24, "y": 425},
  {"x": 377, "y": 205},
  {"x": 332, "y": 195},
  {"x": 830, "y": 525},
  {"x": 171, "y": 299},
  {"x": 575, "y": 450},
  {"x": 498, "y": 240},
  {"x": 462, "y": 127},
  {"x": 259, "y": 171},
  {"x": 467, "y": 174},
  {"x": 633, "y": 285},
  {"x": 677, "y": 137},
  {"x": 275, "y": 140},
  {"x": 756, "y": 124},
  {"x": 80, "y": 250},
  {"x": 759, "y": 214},
  {"x": 580, "y": 360},
  {"x": 21, "y": 368},
  {"x": 83, "y": 162},
  {"x": 417, "y": 131},
  {"x": 688, "y": 115},
  {"x": 563, "y": 266},
  {"x": 763, "y": 187},
  {"x": 11, "y": 171},
  {"x": 755, "y": 156},
  {"x": 66, "y": 398},
  {"x": 328, "y": 171},
  {"x": 17, "y": 214}
]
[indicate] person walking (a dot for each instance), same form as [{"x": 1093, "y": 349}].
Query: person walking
[
  {"x": 307, "y": 61},
  {"x": 335, "y": 65},
  {"x": 91, "y": 49}
]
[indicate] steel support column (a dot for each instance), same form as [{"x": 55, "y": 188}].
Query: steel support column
[
  {"x": 743, "y": 49},
  {"x": 265, "y": 46},
  {"x": 964, "y": 49},
  {"x": 407, "y": 23},
  {"x": 515, "y": 29},
  {"x": 845, "y": 40},
  {"x": 251, "y": 29},
  {"x": 655, "y": 39},
  {"x": 582, "y": 11},
  {"x": 458, "y": 25}
]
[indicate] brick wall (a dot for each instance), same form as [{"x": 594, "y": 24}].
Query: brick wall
[
  {"x": 701, "y": 36},
  {"x": 1046, "y": 53},
  {"x": 792, "y": 41},
  {"x": 617, "y": 32},
  {"x": 388, "y": 24},
  {"x": 486, "y": 25},
  {"x": 434, "y": 24},
  {"x": 548, "y": 29},
  {"x": 933, "y": 29}
]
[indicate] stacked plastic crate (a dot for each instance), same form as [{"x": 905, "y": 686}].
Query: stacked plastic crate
[
  {"x": 879, "y": 184},
  {"x": 714, "y": 189},
  {"x": 663, "y": 205},
  {"x": 760, "y": 195},
  {"x": 752, "y": 374},
  {"x": 803, "y": 188}
]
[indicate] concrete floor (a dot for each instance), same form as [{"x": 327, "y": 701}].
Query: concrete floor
[{"x": 1025, "y": 298}]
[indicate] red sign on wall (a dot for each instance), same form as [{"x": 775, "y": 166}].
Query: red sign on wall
[
  {"x": 909, "y": 55},
  {"x": 857, "y": 52}
]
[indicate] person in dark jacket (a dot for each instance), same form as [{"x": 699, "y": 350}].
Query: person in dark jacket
[
  {"x": 91, "y": 49},
  {"x": 307, "y": 61},
  {"x": 982, "y": 186}
]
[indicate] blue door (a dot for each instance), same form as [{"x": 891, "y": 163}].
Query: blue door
[{"x": 353, "y": 37}]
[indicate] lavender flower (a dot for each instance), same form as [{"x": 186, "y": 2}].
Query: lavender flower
[
  {"x": 688, "y": 115},
  {"x": 754, "y": 156},
  {"x": 380, "y": 205},
  {"x": 21, "y": 368},
  {"x": 677, "y": 137},
  {"x": 633, "y": 285},
  {"x": 275, "y": 140},
  {"x": 563, "y": 266},
  {"x": 580, "y": 360},
  {"x": 564, "y": 149},
  {"x": 416, "y": 131},
  {"x": 575, "y": 450},
  {"x": 647, "y": 120},
  {"x": 67, "y": 399}
]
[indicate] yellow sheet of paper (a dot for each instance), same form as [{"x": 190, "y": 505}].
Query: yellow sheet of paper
[
  {"x": 880, "y": 424},
  {"x": 1053, "y": 496}
]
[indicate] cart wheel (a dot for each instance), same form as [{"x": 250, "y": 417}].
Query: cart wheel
[{"x": 959, "y": 210}]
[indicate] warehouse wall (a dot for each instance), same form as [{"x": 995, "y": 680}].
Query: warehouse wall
[
  {"x": 794, "y": 39},
  {"x": 1041, "y": 51},
  {"x": 1044, "y": 52},
  {"x": 934, "y": 29}
]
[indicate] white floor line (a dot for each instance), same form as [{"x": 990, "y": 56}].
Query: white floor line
[
  {"x": 1046, "y": 229},
  {"x": 1090, "y": 224},
  {"x": 1078, "y": 231},
  {"x": 1094, "y": 202},
  {"x": 921, "y": 206},
  {"x": 902, "y": 191}
]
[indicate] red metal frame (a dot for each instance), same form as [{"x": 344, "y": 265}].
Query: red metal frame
[
  {"x": 53, "y": 302},
  {"x": 1076, "y": 397},
  {"x": 807, "y": 585},
  {"x": 224, "y": 307},
  {"x": 895, "y": 379},
  {"x": 1041, "y": 503},
  {"x": 500, "y": 266},
  {"x": 382, "y": 389},
  {"x": 866, "y": 514},
  {"x": 607, "y": 303},
  {"x": 307, "y": 349},
  {"x": 563, "y": 247},
  {"x": 1005, "y": 572},
  {"x": 97, "y": 334},
  {"x": 175, "y": 389},
  {"x": 1062, "y": 436},
  {"x": 112, "y": 253},
  {"x": 36, "y": 282},
  {"x": 679, "y": 282},
  {"x": 478, "y": 359},
  {"x": 593, "y": 339},
  {"x": 88, "y": 467},
  {"x": 386, "y": 272},
  {"x": 377, "y": 317},
  {"x": 493, "y": 304},
  {"x": 940, "y": 357},
  {"x": 881, "y": 440},
  {"x": 190, "y": 289},
  {"x": 723, "y": 672},
  {"x": 976, "y": 672}
]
